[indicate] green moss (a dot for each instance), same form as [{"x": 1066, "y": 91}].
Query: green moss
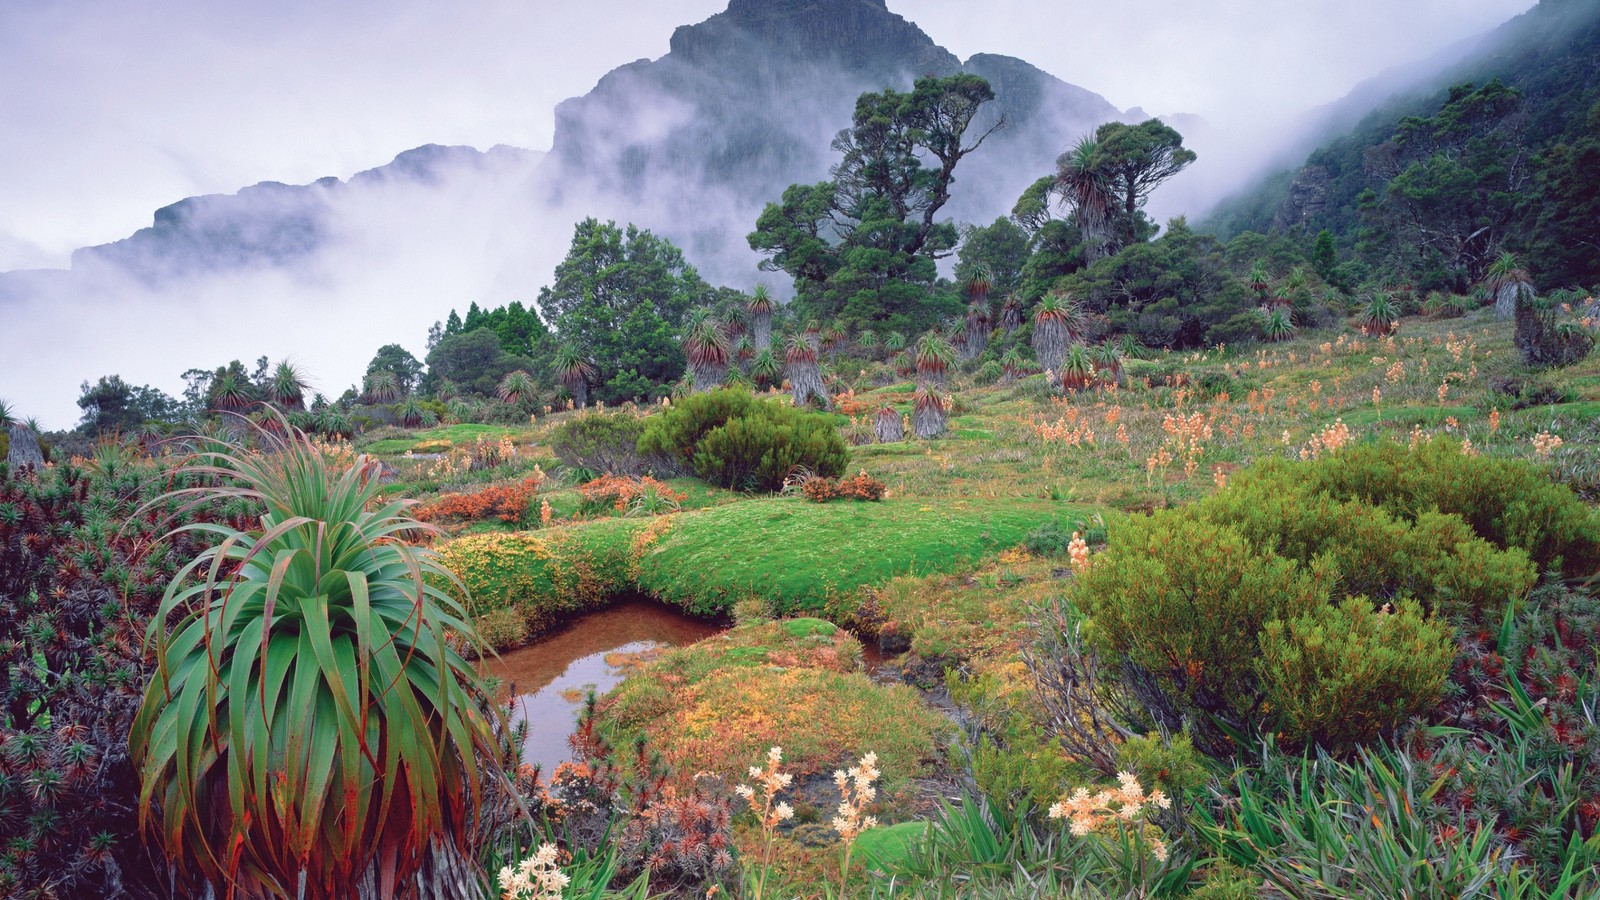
[
  {"x": 455, "y": 434},
  {"x": 886, "y": 848},
  {"x": 800, "y": 555},
  {"x": 808, "y": 627}
]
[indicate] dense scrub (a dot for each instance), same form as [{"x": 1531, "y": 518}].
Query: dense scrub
[
  {"x": 82, "y": 566},
  {"x": 731, "y": 439}
]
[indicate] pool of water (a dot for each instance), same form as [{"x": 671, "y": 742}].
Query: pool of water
[{"x": 551, "y": 676}]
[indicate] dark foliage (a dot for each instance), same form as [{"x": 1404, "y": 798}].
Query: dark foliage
[{"x": 80, "y": 572}]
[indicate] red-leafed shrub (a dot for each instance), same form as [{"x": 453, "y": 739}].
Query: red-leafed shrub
[
  {"x": 506, "y": 502},
  {"x": 620, "y": 491},
  {"x": 858, "y": 487}
]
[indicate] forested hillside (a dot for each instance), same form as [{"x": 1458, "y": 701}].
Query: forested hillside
[{"x": 1497, "y": 153}]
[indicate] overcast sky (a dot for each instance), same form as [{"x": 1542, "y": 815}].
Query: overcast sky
[{"x": 112, "y": 108}]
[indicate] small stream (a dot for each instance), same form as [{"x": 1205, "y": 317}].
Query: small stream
[{"x": 552, "y": 674}]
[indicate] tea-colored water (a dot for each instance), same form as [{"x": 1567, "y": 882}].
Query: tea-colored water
[{"x": 552, "y": 675}]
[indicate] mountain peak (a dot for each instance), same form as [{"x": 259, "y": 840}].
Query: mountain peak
[
  {"x": 857, "y": 34},
  {"x": 757, "y": 9}
]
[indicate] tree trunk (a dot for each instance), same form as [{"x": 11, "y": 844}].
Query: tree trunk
[
  {"x": 1050, "y": 346},
  {"x": 707, "y": 377},
  {"x": 1505, "y": 299},
  {"x": 1010, "y": 318},
  {"x": 761, "y": 330},
  {"x": 24, "y": 449},
  {"x": 805, "y": 382},
  {"x": 929, "y": 421},
  {"x": 888, "y": 427}
]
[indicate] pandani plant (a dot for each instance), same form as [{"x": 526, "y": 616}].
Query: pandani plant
[
  {"x": 574, "y": 372},
  {"x": 706, "y": 350},
  {"x": 1058, "y": 323},
  {"x": 381, "y": 386},
  {"x": 805, "y": 376},
  {"x": 516, "y": 387},
  {"x": 761, "y": 307},
  {"x": 311, "y": 729},
  {"x": 1381, "y": 315},
  {"x": 1508, "y": 283},
  {"x": 929, "y": 411},
  {"x": 979, "y": 326},
  {"x": 934, "y": 357},
  {"x": 1077, "y": 369},
  {"x": 1277, "y": 324}
]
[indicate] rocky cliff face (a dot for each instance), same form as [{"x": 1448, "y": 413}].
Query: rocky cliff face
[{"x": 1307, "y": 198}]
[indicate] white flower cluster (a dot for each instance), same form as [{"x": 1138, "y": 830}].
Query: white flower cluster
[{"x": 536, "y": 878}]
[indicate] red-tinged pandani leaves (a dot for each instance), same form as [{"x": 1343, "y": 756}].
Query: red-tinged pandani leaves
[{"x": 308, "y": 722}]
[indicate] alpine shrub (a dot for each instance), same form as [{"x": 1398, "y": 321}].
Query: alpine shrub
[
  {"x": 1507, "y": 502},
  {"x": 676, "y": 433},
  {"x": 1345, "y": 674},
  {"x": 1435, "y": 558},
  {"x": 1182, "y": 602},
  {"x": 731, "y": 439},
  {"x": 600, "y": 442}
]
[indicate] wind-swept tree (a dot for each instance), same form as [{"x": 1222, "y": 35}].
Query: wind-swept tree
[
  {"x": 1000, "y": 249},
  {"x": 864, "y": 244},
  {"x": 112, "y": 405},
  {"x": 1454, "y": 182},
  {"x": 406, "y": 368},
  {"x": 623, "y": 297},
  {"x": 1135, "y": 160}
]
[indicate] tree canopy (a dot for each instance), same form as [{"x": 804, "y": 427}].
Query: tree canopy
[
  {"x": 474, "y": 361},
  {"x": 863, "y": 246},
  {"x": 399, "y": 362},
  {"x": 1130, "y": 161},
  {"x": 112, "y": 405},
  {"x": 620, "y": 296}
]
